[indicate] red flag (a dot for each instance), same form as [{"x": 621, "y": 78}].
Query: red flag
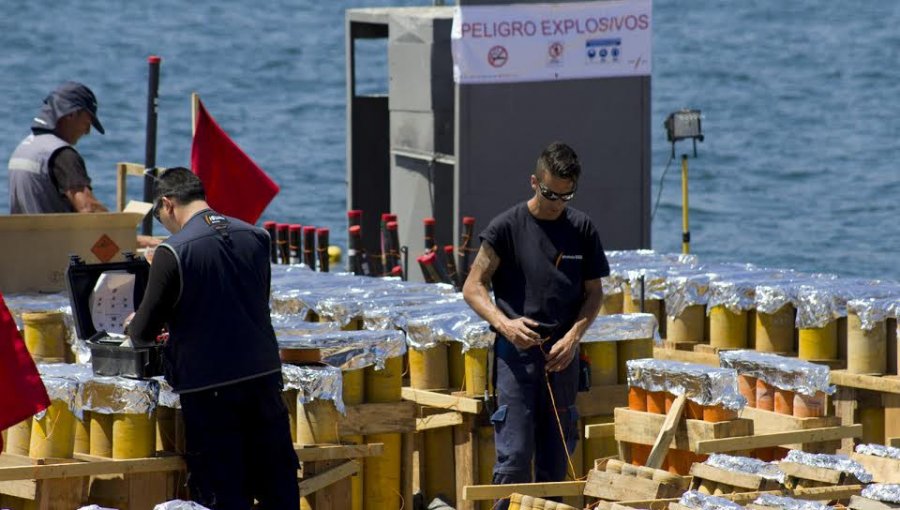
[
  {"x": 22, "y": 394},
  {"x": 235, "y": 185}
]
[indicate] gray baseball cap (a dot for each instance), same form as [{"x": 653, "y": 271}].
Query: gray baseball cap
[{"x": 69, "y": 97}]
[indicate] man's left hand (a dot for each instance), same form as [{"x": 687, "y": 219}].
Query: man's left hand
[{"x": 562, "y": 353}]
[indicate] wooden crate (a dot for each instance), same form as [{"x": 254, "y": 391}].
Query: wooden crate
[
  {"x": 883, "y": 470},
  {"x": 801, "y": 476},
  {"x": 618, "y": 487},
  {"x": 643, "y": 428}
]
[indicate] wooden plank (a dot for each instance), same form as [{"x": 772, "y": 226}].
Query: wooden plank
[
  {"x": 891, "y": 404},
  {"x": 146, "y": 490},
  {"x": 75, "y": 469},
  {"x": 714, "y": 474},
  {"x": 768, "y": 421},
  {"x": 686, "y": 356},
  {"x": 861, "y": 503},
  {"x": 63, "y": 494},
  {"x": 599, "y": 430},
  {"x": 817, "y": 474},
  {"x": 326, "y": 478},
  {"x": 538, "y": 490},
  {"x": 642, "y": 428},
  {"x": 882, "y": 470},
  {"x": 440, "y": 420},
  {"x": 776, "y": 439},
  {"x": 885, "y": 384},
  {"x": 465, "y": 454},
  {"x": 383, "y": 418},
  {"x": 845, "y": 406},
  {"x": 811, "y": 493},
  {"x": 308, "y": 453},
  {"x": 666, "y": 433},
  {"x": 442, "y": 400},
  {"x": 617, "y": 487},
  {"x": 601, "y": 400}
]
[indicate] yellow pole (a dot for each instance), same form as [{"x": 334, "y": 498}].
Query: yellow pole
[
  {"x": 685, "y": 224},
  {"x": 195, "y": 108}
]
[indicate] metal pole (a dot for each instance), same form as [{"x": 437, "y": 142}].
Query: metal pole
[
  {"x": 685, "y": 224},
  {"x": 150, "y": 154}
]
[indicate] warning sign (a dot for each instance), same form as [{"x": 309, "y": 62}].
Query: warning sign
[{"x": 105, "y": 248}]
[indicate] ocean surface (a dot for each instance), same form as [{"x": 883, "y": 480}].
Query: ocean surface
[{"x": 800, "y": 102}]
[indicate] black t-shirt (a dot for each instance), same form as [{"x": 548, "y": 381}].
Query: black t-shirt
[
  {"x": 67, "y": 171},
  {"x": 543, "y": 265}
]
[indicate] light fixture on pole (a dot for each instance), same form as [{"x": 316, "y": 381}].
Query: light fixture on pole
[{"x": 684, "y": 125}]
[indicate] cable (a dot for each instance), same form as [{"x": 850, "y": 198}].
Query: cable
[{"x": 661, "y": 182}]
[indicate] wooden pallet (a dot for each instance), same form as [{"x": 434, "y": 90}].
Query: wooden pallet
[
  {"x": 883, "y": 470},
  {"x": 801, "y": 476},
  {"x": 617, "y": 487},
  {"x": 840, "y": 492},
  {"x": 705, "y": 475}
]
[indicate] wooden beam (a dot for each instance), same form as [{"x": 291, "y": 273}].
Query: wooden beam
[
  {"x": 538, "y": 490},
  {"x": 733, "y": 478},
  {"x": 442, "y": 400},
  {"x": 666, "y": 433},
  {"x": 315, "y": 453},
  {"x": 816, "y": 474},
  {"x": 686, "y": 356},
  {"x": 600, "y": 430},
  {"x": 886, "y": 383},
  {"x": 777, "y": 438},
  {"x": 861, "y": 503},
  {"x": 322, "y": 480},
  {"x": 73, "y": 469},
  {"x": 642, "y": 428},
  {"x": 440, "y": 420},
  {"x": 883, "y": 470},
  {"x": 382, "y": 418}
]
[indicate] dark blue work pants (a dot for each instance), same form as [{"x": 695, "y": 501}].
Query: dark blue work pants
[
  {"x": 239, "y": 448},
  {"x": 526, "y": 429}
]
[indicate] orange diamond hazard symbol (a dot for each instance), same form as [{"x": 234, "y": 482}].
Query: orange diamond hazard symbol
[{"x": 105, "y": 248}]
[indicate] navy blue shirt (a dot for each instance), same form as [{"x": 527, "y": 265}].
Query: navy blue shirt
[{"x": 543, "y": 265}]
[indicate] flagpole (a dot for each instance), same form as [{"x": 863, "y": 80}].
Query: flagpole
[
  {"x": 195, "y": 107},
  {"x": 150, "y": 154}
]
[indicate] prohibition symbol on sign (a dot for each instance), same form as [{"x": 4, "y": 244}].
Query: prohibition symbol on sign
[
  {"x": 497, "y": 56},
  {"x": 556, "y": 50}
]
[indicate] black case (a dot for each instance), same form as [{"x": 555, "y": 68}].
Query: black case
[{"x": 110, "y": 359}]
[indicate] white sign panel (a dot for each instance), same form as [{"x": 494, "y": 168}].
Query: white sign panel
[{"x": 542, "y": 42}]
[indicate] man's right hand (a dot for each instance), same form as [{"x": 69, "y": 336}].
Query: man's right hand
[{"x": 519, "y": 332}]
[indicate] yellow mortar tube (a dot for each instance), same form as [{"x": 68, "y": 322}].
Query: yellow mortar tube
[
  {"x": 687, "y": 327},
  {"x": 45, "y": 335},
  {"x": 133, "y": 435},
  {"x": 612, "y": 304},
  {"x": 101, "y": 434},
  {"x": 727, "y": 330},
  {"x": 818, "y": 343},
  {"x": 166, "y": 436},
  {"x": 866, "y": 350},
  {"x": 83, "y": 433},
  {"x": 382, "y": 474},
  {"x": 18, "y": 438},
  {"x": 384, "y": 385},
  {"x": 54, "y": 434},
  {"x": 353, "y": 390},
  {"x": 438, "y": 452},
  {"x": 604, "y": 364},
  {"x": 775, "y": 331},
  {"x": 486, "y": 457},
  {"x": 476, "y": 361},
  {"x": 317, "y": 423},
  {"x": 457, "y": 366},
  {"x": 429, "y": 368},
  {"x": 872, "y": 420},
  {"x": 628, "y": 350}
]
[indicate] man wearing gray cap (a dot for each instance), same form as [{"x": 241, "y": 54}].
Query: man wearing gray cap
[{"x": 46, "y": 173}]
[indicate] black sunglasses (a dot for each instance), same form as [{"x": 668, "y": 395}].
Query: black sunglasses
[
  {"x": 554, "y": 196},
  {"x": 156, "y": 207}
]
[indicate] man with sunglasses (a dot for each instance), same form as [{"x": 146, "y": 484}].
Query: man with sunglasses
[
  {"x": 544, "y": 261},
  {"x": 209, "y": 284}
]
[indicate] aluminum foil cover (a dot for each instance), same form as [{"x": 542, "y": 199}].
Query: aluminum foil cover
[
  {"x": 690, "y": 286},
  {"x": 297, "y": 324},
  {"x": 315, "y": 383},
  {"x": 179, "y": 505},
  {"x": 343, "y": 310},
  {"x": 614, "y": 328},
  {"x": 789, "y": 503},
  {"x": 873, "y": 310},
  {"x": 748, "y": 465},
  {"x": 782, "y": 372},
  {"x": 167, "y": 396},
  {"x": 737, "y": 293},
  {"x": 822, "y": 302},
  {"x": 702, "y": 384},
  {"x": 698, "y": 501},
  {"x": 836, "y": 462},
  {"x": 95, "y": 507},
  {"x": 878, "y": 450},
  {"x": 645, "y": 256},
  {"x": 391, "y": 317},
  {"x": 119, "y": 395},
  {"x": 57, "y": 302},
  {"x": 463, "y": 326},
  {"x": 63, "y": 382},
  {"x": 350, "y": 349},
  {"x": 886, "y": 492},
  {"x": 771, "y": 296}
]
